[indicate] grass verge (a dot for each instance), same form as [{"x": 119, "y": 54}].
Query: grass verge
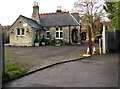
[{"x": 15, "y": 65}]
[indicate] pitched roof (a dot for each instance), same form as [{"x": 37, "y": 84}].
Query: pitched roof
[
  {"x": 32, "y": 23},
  {"x": 58, "y": 19},
  {"x": 76, "y": 16}
]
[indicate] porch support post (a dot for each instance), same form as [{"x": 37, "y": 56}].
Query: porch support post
[{"x": 39, "y": 36}]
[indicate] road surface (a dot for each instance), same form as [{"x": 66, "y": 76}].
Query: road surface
[{"x": 96, "y": 71}]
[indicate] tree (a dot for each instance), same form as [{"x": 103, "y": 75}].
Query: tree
[
  {"x": 113, "y": 8},
  {"x": 91, "y": 13}
]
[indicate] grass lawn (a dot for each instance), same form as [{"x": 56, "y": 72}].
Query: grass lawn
[{"x": 16, "y": 64}]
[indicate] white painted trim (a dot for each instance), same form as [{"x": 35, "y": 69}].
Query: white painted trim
[
  {"x": 20, "y": 31},
  {"x": 16, "y": 32},
  {"x": 47, "y": 38},
  {"x": 59, "y": 38},
  {"x": 46, "y": 34},
  {"x": 25, "y": 25},
  {"x": 59, "y": 33}
]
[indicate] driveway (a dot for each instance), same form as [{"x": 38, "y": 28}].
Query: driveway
[
  {"x": 96, "y": 71},
  {"x": 42, "y": 56}
]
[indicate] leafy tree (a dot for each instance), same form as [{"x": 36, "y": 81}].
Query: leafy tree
[{"x": 113, "y": 8}]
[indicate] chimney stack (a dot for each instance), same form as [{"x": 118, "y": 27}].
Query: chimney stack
[
  {"x": 35, "y": 14},
  {"x": 58, "y": 9}
]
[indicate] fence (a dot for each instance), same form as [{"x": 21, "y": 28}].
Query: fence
[{"x": 111, "y": 40}]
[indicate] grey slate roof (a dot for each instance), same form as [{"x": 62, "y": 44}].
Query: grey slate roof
[
  {"x": 60, "y": 19},
  {"x": 32, "y": 23},
  {"x": 55, "y": 19},
  {"x": 76, "y": 16}
]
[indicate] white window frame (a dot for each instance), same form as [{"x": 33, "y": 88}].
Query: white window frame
[
  {"x": 20, "y": 32},
  {"x": 17, "y": 31},
  {"x": 59, "y": 31},
  {"x": 48, "y": 31}
]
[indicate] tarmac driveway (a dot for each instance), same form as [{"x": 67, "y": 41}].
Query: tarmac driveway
[
  {"x": 49, "y": 52},
  {"x": 96, "y": 71},
  {"x": 41, "y": 56}
]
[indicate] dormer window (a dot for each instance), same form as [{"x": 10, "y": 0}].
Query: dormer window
[{"x": 20, "y": 31}]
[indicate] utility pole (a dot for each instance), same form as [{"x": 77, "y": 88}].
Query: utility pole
[{"x": 1, "y": 55}]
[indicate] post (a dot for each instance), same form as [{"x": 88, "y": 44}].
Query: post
[
  {"x": 1, "y": 55},
  {"x": 100, "y": 46},
  {"x": 90, "y": 39},
  {"x": 104, "y": 40}
]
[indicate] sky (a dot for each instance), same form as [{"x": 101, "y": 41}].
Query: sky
[{"x": 11, "y": 9}]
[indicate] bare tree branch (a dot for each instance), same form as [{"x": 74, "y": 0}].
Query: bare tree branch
[{"x": 92, "y": 12}]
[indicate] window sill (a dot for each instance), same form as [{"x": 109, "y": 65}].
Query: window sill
[
  {"x": 20, "y": 35},
  {"x": 58, "y": 38}
]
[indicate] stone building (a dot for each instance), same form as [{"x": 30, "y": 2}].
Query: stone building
[{"x": 42, "y": 28}]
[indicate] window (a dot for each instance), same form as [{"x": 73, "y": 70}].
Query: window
[
  {"x": 20, "y": 31},
  {"x": 48, "y": 34},
  {"x": 23, "y": 32},
  {"x": 59, "y": 33}
]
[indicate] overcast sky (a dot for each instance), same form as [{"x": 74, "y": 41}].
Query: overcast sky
[{"x": 11, "y": 9}]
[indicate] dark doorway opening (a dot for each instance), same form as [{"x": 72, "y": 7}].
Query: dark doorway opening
[
  {"x": 74, "y": 36},
  {"x": 83, "y": 36}
]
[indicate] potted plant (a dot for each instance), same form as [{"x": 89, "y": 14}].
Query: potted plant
[{"x": 36, "y": 41}]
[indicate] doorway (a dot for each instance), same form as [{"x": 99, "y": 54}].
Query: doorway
[{"x": 74, "y": 36}]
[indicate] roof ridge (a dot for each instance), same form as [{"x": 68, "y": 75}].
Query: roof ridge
[
  {"x": 28, "y": 18},
  {"x": 54, "y": 13},
  {"x": 75, "y": 13}
]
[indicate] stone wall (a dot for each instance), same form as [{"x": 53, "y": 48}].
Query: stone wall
[
  {"x": 66, "y": 32},
  {"x": 29, "y": 34},
  {"x": 27, "y": 39}
]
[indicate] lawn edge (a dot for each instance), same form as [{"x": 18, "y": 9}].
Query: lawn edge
[{"x": 42, "y": 68}]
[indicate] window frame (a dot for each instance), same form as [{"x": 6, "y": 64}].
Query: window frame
[
  {"x": 17, "y": 31},
  {"x": 48, "y": 31},
  {"x": 20, "y": 32},
  {"x": 59, "y": 30}
]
